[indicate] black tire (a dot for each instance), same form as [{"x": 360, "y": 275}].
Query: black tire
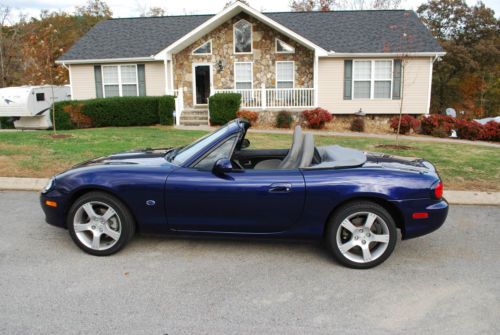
[
  {"x": 126, "y": 219},
  {"x": 353, "y": 208}
]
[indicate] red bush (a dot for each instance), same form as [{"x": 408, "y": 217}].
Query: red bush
[
  {"x": 250, "y": 116},
  {"x": 431, "y": 122},
  {"x": 316, "y": 118},
  {"x": 408, "y": 122},
  {"x": 468, "y": 130},
  {"x": 491, "y": 131}
]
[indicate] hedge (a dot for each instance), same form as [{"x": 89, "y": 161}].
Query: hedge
[
  {"x": 114, "y": 112},
  {"x": 223, "y": 107},
  {"x": 6, "y": 123}
]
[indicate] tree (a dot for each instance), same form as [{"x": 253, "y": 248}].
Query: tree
[
  {"x": 96, "y": 8},
  {"x": 230, "y": 2},
  {"x": 312, "y": 5},
  {"x": 327, "y": 5},
  {"x": 154, "y": 11}
]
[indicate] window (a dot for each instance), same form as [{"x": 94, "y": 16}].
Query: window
[
  {"x": 40, "y": 97},
  {"x": 372, "y": 79},
  {"x": 204, "y": 49},
  {"x": 242, "y": 35},
  {"x": 222, "y": 151},
  {"x": 119, "y": 80},
  {"x": 285, "y": 73},
  {"x": 284, "y": 48},
  {"x": 243, "y": 75}
]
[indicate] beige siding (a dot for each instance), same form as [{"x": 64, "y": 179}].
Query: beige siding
[
  {"x": 155, "y": 78},
  {"x": 82, "y": 81},
  {"x": 416, "y": 90}
]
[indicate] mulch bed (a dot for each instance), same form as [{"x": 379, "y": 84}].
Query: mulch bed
[{"x": 395, "y": 147}]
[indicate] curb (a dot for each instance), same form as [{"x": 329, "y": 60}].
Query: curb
[{"x": 453, "y": 197}]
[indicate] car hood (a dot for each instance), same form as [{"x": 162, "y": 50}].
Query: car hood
[
  {"x": 399, "y": 162},
  {"x": 146, "y": 156}
]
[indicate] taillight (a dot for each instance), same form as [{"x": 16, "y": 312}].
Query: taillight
[{"x": 438, "y": 190}]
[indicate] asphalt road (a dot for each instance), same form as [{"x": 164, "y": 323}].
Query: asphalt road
[{"x": 445, "y": 283}]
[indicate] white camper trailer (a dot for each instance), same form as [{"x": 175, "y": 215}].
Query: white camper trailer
[{"x": 30, "y": 105}]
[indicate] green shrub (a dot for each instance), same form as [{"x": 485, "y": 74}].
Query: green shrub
[
  {"x": 284, "y": 119},
  {"x": 6, "y": 123},
  {"x": 166, "y": 107},
  {"x": 223, "y": 107},
  {"x": 62, "y": 118}
]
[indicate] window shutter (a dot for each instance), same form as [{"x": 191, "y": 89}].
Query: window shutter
[
  {"x": 396, "y": 80},
  {"x": 98, "y": 81},
  {"x": 348, "y": 79},
  {"x": 141, "y": 78}
]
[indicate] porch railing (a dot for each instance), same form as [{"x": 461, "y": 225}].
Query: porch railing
[{"x": 273, "y": 97}]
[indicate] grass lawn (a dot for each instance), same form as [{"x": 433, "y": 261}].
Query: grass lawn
[{"x": 36, "y": 154}]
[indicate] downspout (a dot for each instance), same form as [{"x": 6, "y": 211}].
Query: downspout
[{"x": 69, "y": 77}]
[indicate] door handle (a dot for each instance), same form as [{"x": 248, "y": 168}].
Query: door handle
[{"x": 280, "y": 188}]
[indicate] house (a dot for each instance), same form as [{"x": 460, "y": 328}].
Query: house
[{"x": 342, "y": 61}]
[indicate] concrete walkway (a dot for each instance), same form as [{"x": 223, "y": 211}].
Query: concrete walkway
[
  {"x": 353, "y": 134},
  {"x": 453, "y": 197}
]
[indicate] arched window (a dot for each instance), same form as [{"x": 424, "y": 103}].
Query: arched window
[{"x": 242, "y": 34}]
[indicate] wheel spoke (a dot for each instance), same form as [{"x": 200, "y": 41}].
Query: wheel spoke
[
  {"x": 380, "y": 238},
  {"x": 111, "y": 233},
  {"x": 109, "y": 214},
  {"x": 96, "y": 241},
  {"x": 347, "y": 224},
  {"x": 367, "y": 255},
  {"x": 82, "y": 227},
  {"x": 347, "y": 246},
  {"x": 370, "y": 219},
  {"x": 89, "y": 210}
]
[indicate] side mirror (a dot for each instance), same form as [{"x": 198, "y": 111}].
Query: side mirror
[
  {"x": 245, "y": 143},
  {"x": 223, "y": 165}
]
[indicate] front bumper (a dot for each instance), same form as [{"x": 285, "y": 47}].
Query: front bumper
[
  {"x": 55, "y": 216},
  {"x": 411, "y": 228}
]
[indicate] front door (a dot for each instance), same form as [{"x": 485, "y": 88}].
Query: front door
[
  {"x": 202, "y": 82},
  {"x": 251, "y": 201}
]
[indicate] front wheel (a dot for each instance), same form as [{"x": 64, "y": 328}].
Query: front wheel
[
  {"x": 361, "y": 235},
  {"x": 100, "y": 224}
]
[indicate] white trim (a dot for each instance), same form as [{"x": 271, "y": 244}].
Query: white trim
[
  {"x": 372, "y": 78},
  {"x": 193, "y": 73},
  {"x": 203, "y": 54},
  {"x": 171, "y": 65},
  {"x": 276, "y": 72},
  {"x": 165, "y": 73},
  {"x": 316, "y": 80},
  {"x": 282, "y": 52},
  {"x": 119, "y": 83},
  {"x": 251, "y": 39},
  {"x": 71, "y": 81},
  {"x": 225, "y": 15},
  {"x": 431, "y": 65},
  {"x": 234, "y": 73},
  {"x": 108, "y": 60},
  {"x": 383, "y": 54}
]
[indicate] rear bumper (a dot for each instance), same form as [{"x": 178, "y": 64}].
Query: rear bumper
[
  {"x": 436, "y": 209},
  {"x": 55, "y": 216}
]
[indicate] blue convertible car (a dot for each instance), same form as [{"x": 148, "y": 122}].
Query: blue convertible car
[{"x": 353, "y": 200}]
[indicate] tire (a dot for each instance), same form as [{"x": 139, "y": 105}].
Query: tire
[
  {"x": 100, "y": 224},
  {"x": 361, "y": 234}
]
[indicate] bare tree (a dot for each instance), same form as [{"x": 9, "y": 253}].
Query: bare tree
[
  {"x": 230, "y": 2},
  {"x": 368, "y": 4},
  {"x": 154, "y": 11},
  {"x": 312, "y": 5}
]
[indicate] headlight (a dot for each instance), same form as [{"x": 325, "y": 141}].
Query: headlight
[{"x": 49, "y": 186}]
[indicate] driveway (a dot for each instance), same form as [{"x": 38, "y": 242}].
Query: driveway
[{"x": 445, "y": 283}]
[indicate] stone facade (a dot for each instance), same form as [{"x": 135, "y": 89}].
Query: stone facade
[{"x": 263, "y": 57}]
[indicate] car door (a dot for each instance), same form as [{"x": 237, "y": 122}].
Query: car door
[{"x": 245, "y": 201}]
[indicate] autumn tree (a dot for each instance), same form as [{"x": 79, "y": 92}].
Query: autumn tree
[
  {"x": 154, "y": 11},
  {"x": 326, "y": 5},
  {"x": 312, "y": 5}
]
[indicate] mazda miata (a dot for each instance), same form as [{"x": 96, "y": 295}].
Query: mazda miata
[{"x": 355, "y": 201}]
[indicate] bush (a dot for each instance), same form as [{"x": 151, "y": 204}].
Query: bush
[
  {"x": 316, "y": 118},
  {"x": 250, "y": 116},
  {"x": 358, "y": 124},
  {"x": 429, "y": 123},
  {"x": 6, "y": 123},
  {"x": 114, "y": 112},
  {"x": 491, "y": 131},
  {"x": 468, "y": 130},
  {"x": 223, "y": 107},
  {"x": 440, "y": 132},
  {"x": 166, "y": 107},
  {"x": 284, "y": 119},
  {"x": 408, "y": 123}
]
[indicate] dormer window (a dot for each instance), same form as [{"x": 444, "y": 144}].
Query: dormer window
[
  {"x": 242, "y": 34},
  {"x": 284, "y": 48},
  {"x": 204, "y": 49}
]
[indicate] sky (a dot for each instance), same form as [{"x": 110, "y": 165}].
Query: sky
[{"x": 130, "y": 8}]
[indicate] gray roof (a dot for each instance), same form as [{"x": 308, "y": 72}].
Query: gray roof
[{"x": 372, "y": 31}]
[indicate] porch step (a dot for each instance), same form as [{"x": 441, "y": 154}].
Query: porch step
[{"x": 194, "y": 117}]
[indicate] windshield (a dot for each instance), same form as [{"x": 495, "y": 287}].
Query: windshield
[{"x": 183, "y": 154}]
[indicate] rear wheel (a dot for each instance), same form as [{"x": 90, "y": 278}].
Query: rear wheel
[
  {"x": 361, "y": 235},
  {"x": 100, "y": 224}
]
